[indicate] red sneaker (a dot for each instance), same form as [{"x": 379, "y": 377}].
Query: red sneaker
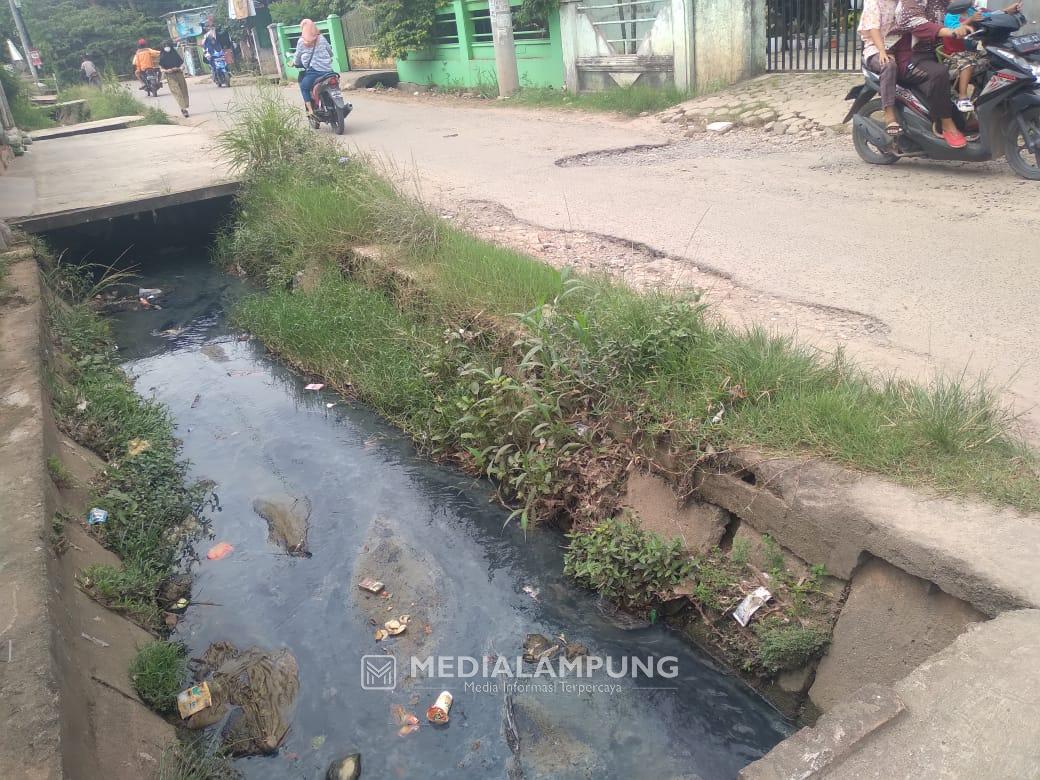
[{"x": 955, "y": 138}]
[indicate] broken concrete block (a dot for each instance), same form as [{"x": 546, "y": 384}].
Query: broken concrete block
[
  {"x": 699, "y": 525},
  {"x": 891, "y": 622},
  {"x": 720, "y": 127}
]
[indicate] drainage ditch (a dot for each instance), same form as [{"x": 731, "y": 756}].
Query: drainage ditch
[{"x": 473, "y": 586}]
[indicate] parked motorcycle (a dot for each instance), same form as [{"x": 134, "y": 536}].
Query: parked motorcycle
[
  {"x": 219, "y": 68},
  {"x": 328, "y": 104},
  {"x": 152, "y": 81},
  {"x": 1007, "y": 107}
]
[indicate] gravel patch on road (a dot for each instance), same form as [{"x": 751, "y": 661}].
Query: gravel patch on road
[{"x": 735, "y": 145}]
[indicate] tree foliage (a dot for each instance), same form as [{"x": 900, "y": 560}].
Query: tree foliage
[
  {"x": 293, "y": 11},
  {"x": 106, "y": 30},
  {"x": 403, "y": 25}
]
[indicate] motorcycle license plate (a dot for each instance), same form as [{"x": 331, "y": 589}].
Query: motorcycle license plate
[
  {"x": 336, "y": 93},
  {"x": 1026, "y": 44}
]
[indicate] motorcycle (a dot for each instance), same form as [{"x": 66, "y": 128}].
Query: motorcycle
[
  {"x": 328, "y": 104},
  {"x": 219, "y": 68},
  {"x": 1007, "y": 107},
  {"x": 152, "y": 81}
]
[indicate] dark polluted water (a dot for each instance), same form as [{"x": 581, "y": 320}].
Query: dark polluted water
[{"x": 432, "y": 535}]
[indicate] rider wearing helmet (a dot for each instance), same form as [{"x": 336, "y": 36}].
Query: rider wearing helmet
[{"x": 145, "y": 59}]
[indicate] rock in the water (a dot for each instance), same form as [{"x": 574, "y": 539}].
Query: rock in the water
[
  {"x": 287, "y": 522},
  {"x": 574, "y": 650},
  {"x": 538, "y": 647},
  {"x": 260, "y": 686},
  {"x": 215, "y": 352},
  {"x": 348, "y": 768}
]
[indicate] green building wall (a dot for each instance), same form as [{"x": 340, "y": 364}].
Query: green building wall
[
  {"x": 332, "y": 27},
  {"x": 472, "y": 64}
]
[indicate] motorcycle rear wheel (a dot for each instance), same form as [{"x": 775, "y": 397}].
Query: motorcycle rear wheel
[
  {"x": 339, "y": 121},
  {"x": 866, "y": 150},
  {"x": 1023, "y": 162}
]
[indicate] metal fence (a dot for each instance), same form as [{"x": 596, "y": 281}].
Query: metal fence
[
  {"x": 359, "y": 27},
  {"x": 806, "y": 35}
]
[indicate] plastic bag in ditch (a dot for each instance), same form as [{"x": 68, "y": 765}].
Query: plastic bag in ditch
[{"x": 750, "y": 605}]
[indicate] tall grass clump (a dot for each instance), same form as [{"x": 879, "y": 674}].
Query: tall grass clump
[
  {"x": 522, "y": 395},
  {"x": 114, "y": 99},
  {"x": 144, "y": 485},
  {"x": 26, "y": 115}
]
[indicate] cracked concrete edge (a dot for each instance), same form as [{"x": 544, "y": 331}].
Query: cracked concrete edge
[
  {"x": 826, "y": 514},
  {"x": 837, "y": 734},
  {"x": 968, "y": 711},
  {"x": 29, "y": 699}
]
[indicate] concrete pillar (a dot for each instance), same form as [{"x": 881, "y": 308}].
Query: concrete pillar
[
  {"x": 682, "y": 43},
  {"x": 505, "y": 47},
  {"x": 272, "y": 30},
  {"x": 465, "y": 32},
  {"x": 569, "y": 43},
  {"x": 339, "y": 45}
]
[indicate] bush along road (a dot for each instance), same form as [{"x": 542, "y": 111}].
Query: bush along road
[{"x": 556, "y": 387}]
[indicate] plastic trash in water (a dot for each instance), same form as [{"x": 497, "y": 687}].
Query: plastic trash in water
[
  {"x": 371, "y": 585},
  {"x": 751, "y": 604},
  {"x": 408, "y": 721},
  {"x": 195, "y": 699},
  {"x": 97, "y": 516},
  {"x": 220, "y": 550},
  {"x": 149, "y": 292},
  {"x": 438, "y": 711},
  {"x": 314, "y": 386}
]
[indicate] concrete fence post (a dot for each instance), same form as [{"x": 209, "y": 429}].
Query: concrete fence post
[
  {"x": 682, "y": 44},
  {"x": 569, "y": 43},
  {"x": 339, "y": 45},
  {"x": 272, "y": 30}
]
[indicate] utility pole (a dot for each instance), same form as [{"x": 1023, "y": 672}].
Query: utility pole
[
  {"x": 505, "y": 51},
  {"x": 16, "y": 12}
]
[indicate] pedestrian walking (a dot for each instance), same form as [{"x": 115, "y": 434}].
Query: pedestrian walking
[{"x": 172, "y": 65}]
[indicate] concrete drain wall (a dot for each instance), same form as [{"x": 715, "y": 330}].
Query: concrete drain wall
[
  {"x": 890, "y": 622},
  {"x": 934, "y": 664}
]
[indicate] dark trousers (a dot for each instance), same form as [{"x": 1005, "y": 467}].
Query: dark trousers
[
  {"x": 307, "y": 82},
  {"x": 933, "y": 79},
  {"x": 888, "y": 74}
]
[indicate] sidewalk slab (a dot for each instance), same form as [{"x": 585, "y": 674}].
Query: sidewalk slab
[
  {"x": 82, "y": 128},
  {"x": 155, "y": 163}
]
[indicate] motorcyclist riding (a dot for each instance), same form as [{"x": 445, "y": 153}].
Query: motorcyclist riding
[{"x": 144, "y": 60}]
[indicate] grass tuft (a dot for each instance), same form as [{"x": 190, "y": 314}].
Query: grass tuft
[
  {"x": 195, "y": 759},
  {"x": 61, "y": 476},
  {"x": 146, "y": 495},
  {"x": 158, "y": 673},
  {"x": 114, "y": 99},
  {"x": 630, "y": 101}
]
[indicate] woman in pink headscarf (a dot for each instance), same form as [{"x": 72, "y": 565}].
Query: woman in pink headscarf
[{"x": 313, "y": 58}]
